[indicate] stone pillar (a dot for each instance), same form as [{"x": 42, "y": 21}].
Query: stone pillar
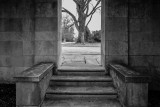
[
  {"x": 116, "y": 31},
  {"x": 46, "y": 31},
  {"x": 103, "y": 51},
  {"x": 59, "y": 36}
]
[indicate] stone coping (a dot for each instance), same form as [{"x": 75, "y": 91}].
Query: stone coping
[
  {"x": 128, "y": 75},
  {"x": 35, "y": 73}
]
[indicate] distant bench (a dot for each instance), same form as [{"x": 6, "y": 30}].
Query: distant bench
[
  {"x": 31, "y": 85},
  {"x": 132, "y": 86}
]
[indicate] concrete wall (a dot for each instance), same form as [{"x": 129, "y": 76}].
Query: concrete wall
[
  {"x": 116, "y": 31},
  {"x": 132, "y": 33},
  {"x": 46, "y": 31},
  {"x": 144, "y": 38},
  {"x": 28, "y": 35}
]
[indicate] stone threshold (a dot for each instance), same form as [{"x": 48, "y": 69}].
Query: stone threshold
[{"x": 91, "y": 68}]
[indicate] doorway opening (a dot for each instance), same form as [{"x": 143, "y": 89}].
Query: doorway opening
[{"x": 87, "y": 50}]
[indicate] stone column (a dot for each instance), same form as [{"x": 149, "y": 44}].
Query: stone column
[
  {"x": 116, "y": 31},
  {"x": 46, "y": 31}
]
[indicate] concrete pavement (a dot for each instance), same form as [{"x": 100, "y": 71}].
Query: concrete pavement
[{"x": 81, "y": 56}]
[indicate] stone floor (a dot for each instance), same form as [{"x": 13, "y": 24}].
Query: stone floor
[
  {"x": 82, "y": 103},
  {"x": 81, "y": 59},
  {"x": 81, "y": 56}
]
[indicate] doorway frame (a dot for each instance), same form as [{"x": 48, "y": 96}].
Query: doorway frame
[{"x": 103, "y": 42}]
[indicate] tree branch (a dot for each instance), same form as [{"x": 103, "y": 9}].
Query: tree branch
[
  {"x": 73, "y": 17},
  {"x": 68, "y": 26},
  {"x": 94, "y": 8},
  {"x": 76, "y": 1},
  {"x": 86, "y": 4},
  {"x": 89, "y": 20},
  {"x": 87, "y": 10}
]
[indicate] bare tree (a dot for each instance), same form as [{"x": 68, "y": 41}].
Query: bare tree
[
  {"x": 85, "y": 9},
  {"x": 67, "y": 28},
  {"x": 67, "y": 22}
]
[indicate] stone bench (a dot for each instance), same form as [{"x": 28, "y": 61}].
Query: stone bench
[
  {"x": 132, "y": 86},
  {"x": 31, "y": 85}
]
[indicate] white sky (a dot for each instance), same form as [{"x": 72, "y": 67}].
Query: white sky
[{"x": 95, "y": 23}]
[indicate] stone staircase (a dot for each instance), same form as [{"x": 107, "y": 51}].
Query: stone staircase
[{"x": 78, "y": 87}]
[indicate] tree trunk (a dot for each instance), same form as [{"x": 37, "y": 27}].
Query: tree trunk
[
  {"x": 64, "y": 40},
  {"x": 81, "y": 31},
  {"x": 81, "y": 37},
  {"x": 87, "y": 34}
]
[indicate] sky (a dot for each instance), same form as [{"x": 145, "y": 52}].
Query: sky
[{"x": 95, "y": 23}]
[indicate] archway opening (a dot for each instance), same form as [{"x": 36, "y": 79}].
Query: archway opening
[{"x": 73, "y": 52}]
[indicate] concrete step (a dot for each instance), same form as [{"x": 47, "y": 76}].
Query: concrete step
[
  {"x": 81, "y": 87},
  {"x": 81, "y": 102},
  {"x": 82, "y": 71},
  {"x": 82, "y": 78},
  {"x": 90, "y": 68},
  {"x": 81, "y": 91},
  {"x": 81, "y": 81}
]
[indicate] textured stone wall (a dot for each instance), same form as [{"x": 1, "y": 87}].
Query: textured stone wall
[
  {"x": 144, "y": 38},
  {"x": 120, "y": 86},
  {"x": 132, "y": 34},
  {"x": 28, "y": 35},
  {"x": 116, "y": 31},
  {"x": 131, "y": 93},
  {"x": 46, "y": 31}
]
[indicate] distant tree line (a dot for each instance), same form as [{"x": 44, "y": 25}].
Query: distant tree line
[{"x": 93, "y": 37}]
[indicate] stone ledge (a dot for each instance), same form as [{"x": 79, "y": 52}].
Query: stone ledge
[
  {"x": 35, "y": 73},
  {"x": 129, "y": 76},
  {"x": 132, "y": 87},
  {"x": 31, "y": 85}
]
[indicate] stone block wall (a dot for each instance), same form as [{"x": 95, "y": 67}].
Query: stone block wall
[
  {"x": 132, "y": 35},
  {"x": 116, "y": 31},
  {"x": 46, "y": 31},
  {"x": 144, "y": 38},
  {"x": 28, "y": 35}
]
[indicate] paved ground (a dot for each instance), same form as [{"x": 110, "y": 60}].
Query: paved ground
[
  {"x": 83, "y": 102},
  {"x": 79, "y": 56}
]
